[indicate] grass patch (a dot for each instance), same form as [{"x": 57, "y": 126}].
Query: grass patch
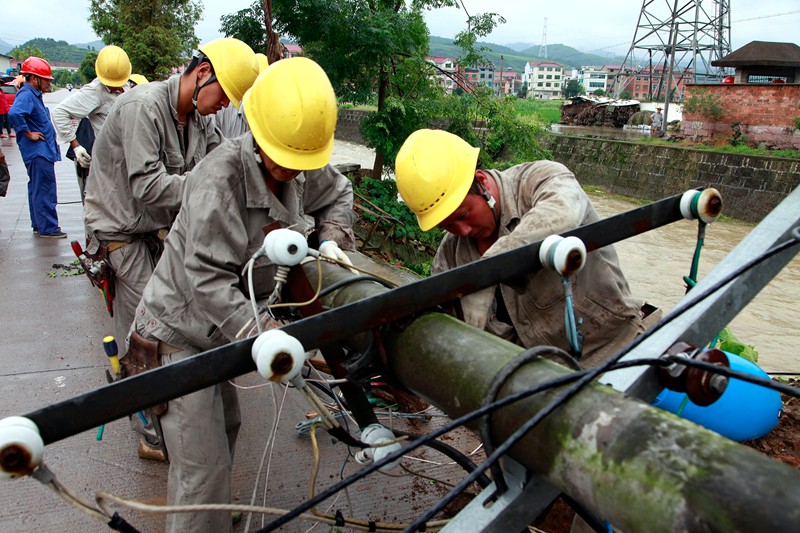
[{"x": 548, "y": 111}]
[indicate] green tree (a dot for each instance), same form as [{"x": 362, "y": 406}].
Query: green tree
[
  {"x": 625, "y": 95},
  {"x": 25, "y": 51},
  {"x": 86, "y": 69},
  {"x": 247, "y": 25},
  {"x": 156, "y": 34},
  {"x": 374, "y": 50},
  {"x": 573, "y": 88},
  {"x": 599, "y": 92}
]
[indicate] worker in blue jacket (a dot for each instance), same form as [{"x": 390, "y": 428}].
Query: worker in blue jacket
[{"x": 36, "y": 138}]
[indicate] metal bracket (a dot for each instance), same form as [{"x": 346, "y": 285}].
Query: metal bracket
[{"x": 527, "y": 496}]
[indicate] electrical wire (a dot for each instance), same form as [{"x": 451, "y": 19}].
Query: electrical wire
[
  {"x": 554, "y": 383},
  {"x": 356, "y": 279},
  {"x": 350, "y": 522}
]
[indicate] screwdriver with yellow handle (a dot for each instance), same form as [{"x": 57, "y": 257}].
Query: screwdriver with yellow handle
[
  {"x": 112, "y": 352},
  {"x": 110, "y": 347}
]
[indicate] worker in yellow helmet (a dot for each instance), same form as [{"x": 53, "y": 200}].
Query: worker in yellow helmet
[
  {"x": 79, "y": 117},
  {"x": 137, "y": 79},
  {"x": 277, "y": 175},
  {"x": 487, "y": 212},
  {"x": 231, "y": 121},
  {"x": 152, "y": 138}
]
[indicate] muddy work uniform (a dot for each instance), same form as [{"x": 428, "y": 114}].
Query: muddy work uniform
[
  {"x": 195, "y": 302},
  {"x": 136, "y": 182},
  {"x": 536, "y": 200},
  {"x": 93, "y": 102}
]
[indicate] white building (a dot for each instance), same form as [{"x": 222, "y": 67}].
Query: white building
[
  {"x": 445, "y": 66},
  {"x": 545, "y": 80},
  {"x": 592, "y": 79}
]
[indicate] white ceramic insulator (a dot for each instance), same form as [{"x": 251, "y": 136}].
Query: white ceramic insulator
[
  {"x": 545, "y": 256},
  {"x": 20, "y": 439},
  {"x": 686, "y": 204},
  {"x": 272, "y": 345},
  {"x": 285, "y": 247},
  {"x": 564, "y": 259},
  {"x": 557, "y": 253},
  {"x": 378, "y": 434},
  {"x": 703, "y": 205}
]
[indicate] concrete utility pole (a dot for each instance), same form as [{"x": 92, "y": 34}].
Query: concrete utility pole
[{"x": 639, "y": 467}]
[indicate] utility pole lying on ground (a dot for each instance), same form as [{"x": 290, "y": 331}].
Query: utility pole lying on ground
[{"x": 638, "y": 467}]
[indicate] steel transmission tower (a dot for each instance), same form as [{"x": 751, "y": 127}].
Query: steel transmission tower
[
  {"x": 678, "y": 36},
  {"x": 543, "y": 46}
]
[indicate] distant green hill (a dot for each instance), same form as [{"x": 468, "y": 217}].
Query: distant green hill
[
  {"x": 58, "y": 51},
  {"x": 558, "y": 53}
]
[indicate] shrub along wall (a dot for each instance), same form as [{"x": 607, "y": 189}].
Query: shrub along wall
[{"x": 751, "y": 186}]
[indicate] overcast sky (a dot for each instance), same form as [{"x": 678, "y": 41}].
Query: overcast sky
[{"x": 588, "y": 25}]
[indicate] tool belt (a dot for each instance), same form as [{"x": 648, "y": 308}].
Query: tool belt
[
  {"x": 101, "y": 270},
  {"x": 143, "y": 355}
]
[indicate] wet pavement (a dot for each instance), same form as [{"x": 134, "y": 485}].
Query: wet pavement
[{"x": 51, "y": 331}]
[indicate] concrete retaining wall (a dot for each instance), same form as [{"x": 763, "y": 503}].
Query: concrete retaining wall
[{"x": 751, "y": 186}]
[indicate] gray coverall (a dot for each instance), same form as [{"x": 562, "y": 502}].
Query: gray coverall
[
  {"x": 195, "y": 302},
  {"x": 536, "y": 200},
  {"x": 139, "y": 165},
  {"x": 231, "y": 122},
  {"x": 93, "y": 101}
]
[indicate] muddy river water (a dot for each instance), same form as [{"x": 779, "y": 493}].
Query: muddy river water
[{"x": 655, "y": 263}]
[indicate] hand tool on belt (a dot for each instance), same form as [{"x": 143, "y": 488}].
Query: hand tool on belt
[
  {"x": 99, "y": 272},
  {"x": 143, "y": 355}
]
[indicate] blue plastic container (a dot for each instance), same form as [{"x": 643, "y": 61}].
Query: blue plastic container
[{"x": 745, "y": 411}]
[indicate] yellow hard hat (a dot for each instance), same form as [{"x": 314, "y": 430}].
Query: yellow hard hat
[
  {"x": 138, "y": 79},
  {"x": 263, "y": 62},
  {"x": 291, "y": 110},
  {"x": 112, "y": 66},
  {"x": 434, "y": 171},
  {"x": 235, "y": 66}
]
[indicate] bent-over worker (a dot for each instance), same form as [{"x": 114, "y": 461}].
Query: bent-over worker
[
  {"x": 278, "y": 174},
  {"x": 487, "y": 212}
]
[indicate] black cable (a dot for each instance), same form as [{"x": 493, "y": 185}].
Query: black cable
[
  {"x": 354, "y": 279},
  {"x": 499, "y": 379},
  {"x": 587, "y": 377},
  {"x": 459, "y": 458},
  {"x": 556, "y": 382}
]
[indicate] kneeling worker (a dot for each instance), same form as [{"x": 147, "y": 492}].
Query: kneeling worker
[
  {"x": 275, "y": 175},
  {"x": 487, "y": 212}
]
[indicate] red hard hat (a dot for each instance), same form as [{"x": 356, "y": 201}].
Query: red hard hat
[
  {"x": 38, "y": 67},
  {"x": 728, "y": 79}
]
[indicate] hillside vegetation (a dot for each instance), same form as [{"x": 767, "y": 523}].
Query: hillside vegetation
[{"x": 57, "y": 51}]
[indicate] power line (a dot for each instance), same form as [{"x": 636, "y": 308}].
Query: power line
[{"x": 769, "y": 16}]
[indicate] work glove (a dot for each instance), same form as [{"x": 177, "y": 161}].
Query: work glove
[
  {"x": 250, "y": 329},
  {"x": 331, "y": 250},
  {"x": 82, "y": 156}
]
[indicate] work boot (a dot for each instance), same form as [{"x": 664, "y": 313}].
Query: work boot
[
  {"x": 150, "y": 452},
  {"x": 56, "y": 235}
]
